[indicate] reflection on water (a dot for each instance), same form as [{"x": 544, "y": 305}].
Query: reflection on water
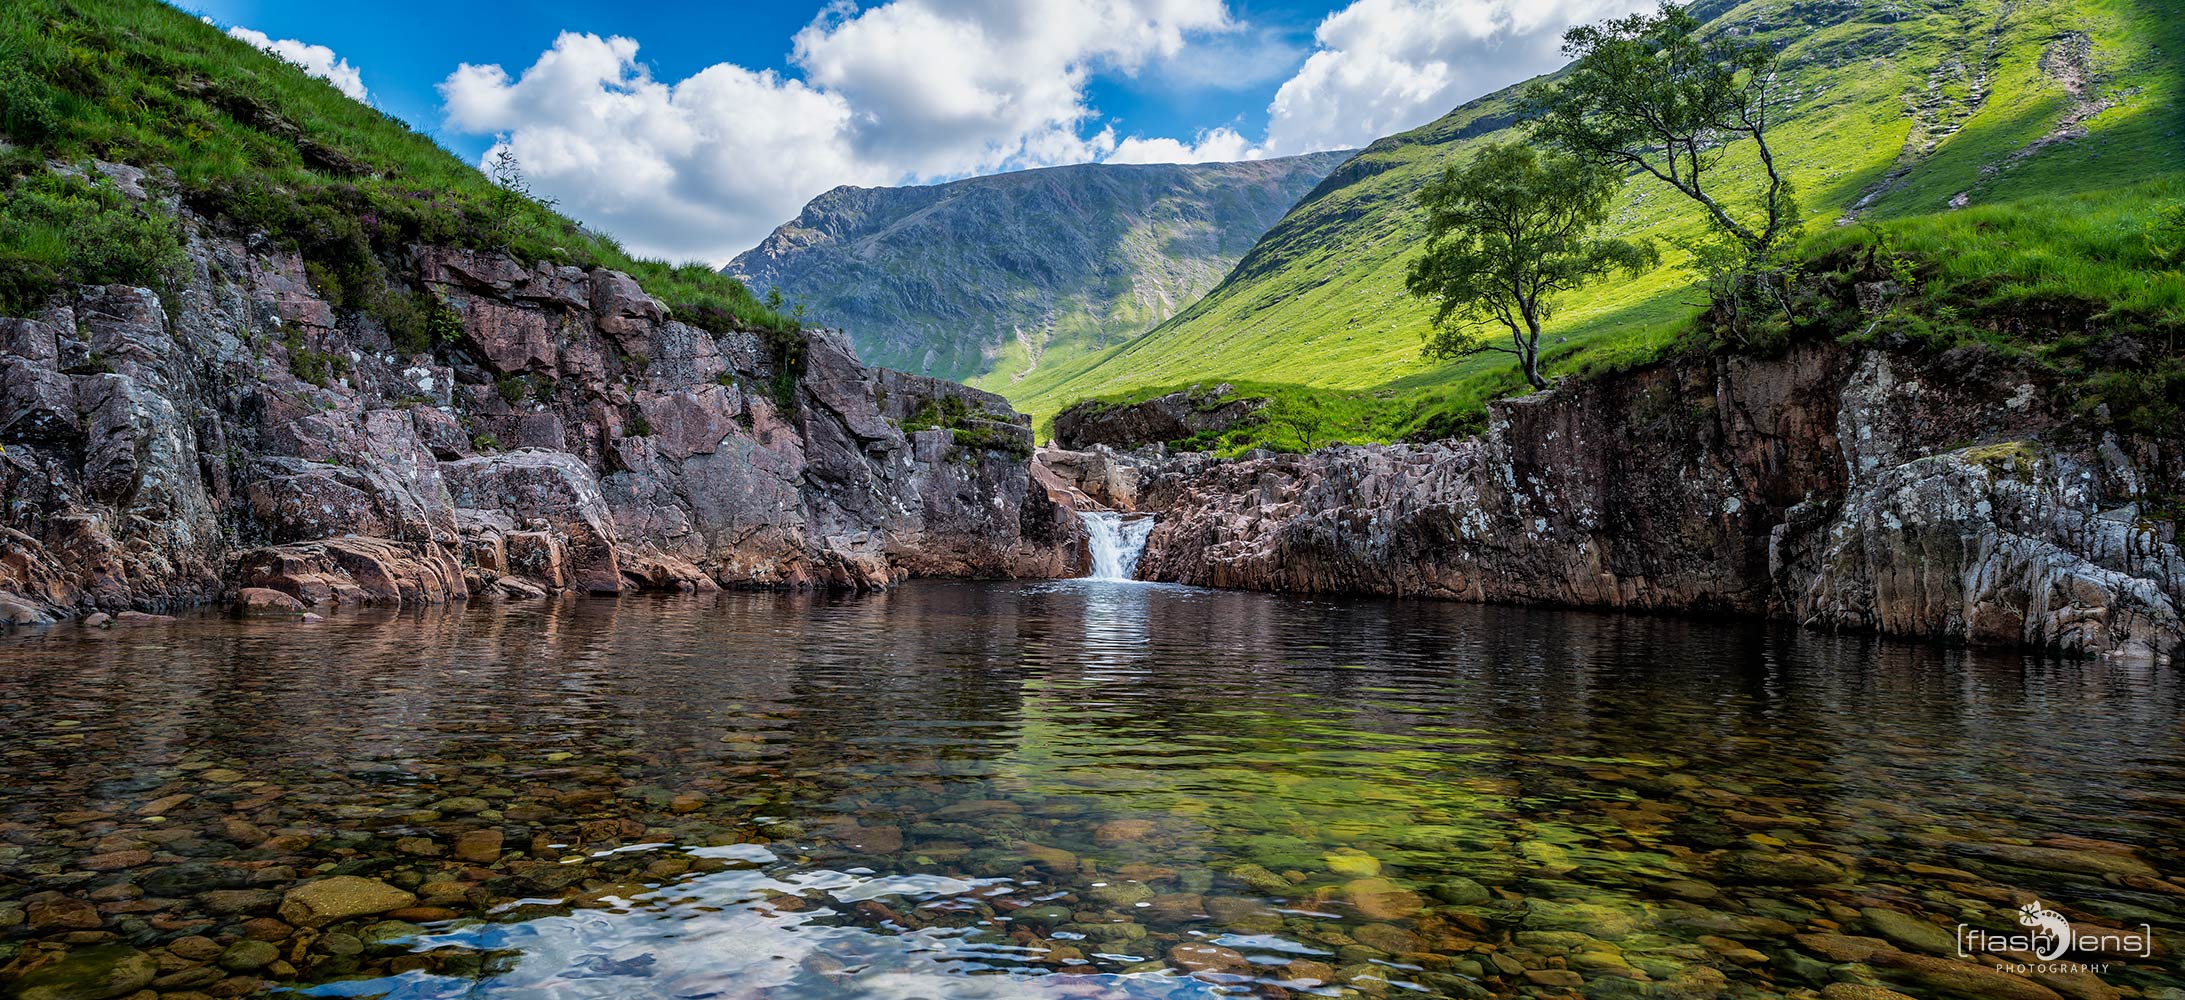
[{"x": 1068, "y": 789}]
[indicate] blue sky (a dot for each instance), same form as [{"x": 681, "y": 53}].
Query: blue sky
[
  {"x": 691, "y": 130},
  {"x": 402, "y": 65}
]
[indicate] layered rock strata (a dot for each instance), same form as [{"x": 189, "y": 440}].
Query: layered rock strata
[
  {"x": 236, "y": 430},
  {"x": 1943, "y": 497}
]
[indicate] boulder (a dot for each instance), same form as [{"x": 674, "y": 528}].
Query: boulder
[
  {"x": 513, "y": 339},
  {"x": 340, "y": 897},
  {"x": 1161, "y": 419},
  {"x": 355, "y": 571},
  {"x": 265, "y": 600},
  {"x": 622, "y": 309},
  {"x": 556, "y": 489},
  {"x": 99, "y": 972}
]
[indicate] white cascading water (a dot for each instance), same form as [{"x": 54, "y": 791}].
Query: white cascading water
[{"x": 1116, "y": 542}]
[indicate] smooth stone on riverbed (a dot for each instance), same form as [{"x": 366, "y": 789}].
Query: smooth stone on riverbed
[
  {"x": 1121, "y": 893},
  {"x": 316, "y": 904},
  {"x": 61, "y": 913},
  {"x": 1200, "y": 957},
  {"x": 1046, "y": 915},
  {"x": 96, "y": 973},
  {"x": 1381, "y": 899},
  {"x": 1909, "y": 931},
  {"x": 1353, "y": 862},
  {"x": 1780, "y": 868},
  {"x": 1261, "y": 879},
  {"x": 246, "y": 956},
  {"x": 1859, "y": 991},
  {"x": 1460, "y": 891},
  {"x": 1955, "y": 978},
  {"x": 481, "y": 846},
  {"x": 1594, "y": 920},
  {"x": 1247, "y": 916}
]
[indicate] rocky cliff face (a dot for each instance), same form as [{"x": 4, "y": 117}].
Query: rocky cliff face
[
  {"x": 1940, "y": 498},
  {"x": 235, "y": 431}
]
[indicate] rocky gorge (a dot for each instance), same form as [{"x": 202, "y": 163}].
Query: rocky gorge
[
  {"x": 1949, "y": 497},
  {"x": 236, "y": 436}
]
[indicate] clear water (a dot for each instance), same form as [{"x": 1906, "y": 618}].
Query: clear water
[{"x": 1070, "y": 790}]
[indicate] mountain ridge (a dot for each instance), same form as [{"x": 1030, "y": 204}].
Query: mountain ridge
[{"x": 988, "y": 278}]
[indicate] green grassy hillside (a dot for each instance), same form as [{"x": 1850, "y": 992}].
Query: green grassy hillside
[
  {"x": 256, "y": 143},
  {"x": 2056, "y": 122}
]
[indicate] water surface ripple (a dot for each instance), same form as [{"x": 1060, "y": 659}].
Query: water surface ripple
[{"x": 1071, "y": 789}]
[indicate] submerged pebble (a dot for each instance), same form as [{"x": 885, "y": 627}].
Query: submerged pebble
[{"x": 499, "y": 806}]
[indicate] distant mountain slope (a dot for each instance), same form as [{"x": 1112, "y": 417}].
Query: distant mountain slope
[
  {"x": 1900, "y": 109},
  {"x": 1011, "y": 272}
]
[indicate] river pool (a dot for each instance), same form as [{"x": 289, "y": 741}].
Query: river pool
[{"x": 1073, "y": 789}]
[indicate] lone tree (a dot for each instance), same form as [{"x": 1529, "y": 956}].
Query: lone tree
[
  {"x": 1506, "y": 233},
  {"x": 1647, "y": 92}
]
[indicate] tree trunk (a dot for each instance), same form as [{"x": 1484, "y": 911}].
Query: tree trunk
[{"x": 1531, "y": 355}]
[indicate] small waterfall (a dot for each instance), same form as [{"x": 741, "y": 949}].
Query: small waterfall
[{"x": 1116, "y": 542}]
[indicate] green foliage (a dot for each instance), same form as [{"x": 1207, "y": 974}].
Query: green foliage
[
  {"x": 986, "y": 437},
  {"x": 1506, "y": 234},
  {"x": 258, "y": 144},
  {"x": 512, "y": 218},
  {"x": 310, "y": 364},
  {"x": 2166, "y": 237},
  {"x": 1653, "y": 92},
  {"x": 417, "y": 322},
  {"x": 1745, "y": 290},
  {"x": 785, "y": 348},
  {"x": 1301, "y": 417},
  {"x": 970, "y": 430},
  {"x": 29, "y": 112},
  {"x": 513, "y": 389},
  {"x": 949, "y": 412},
  {"x": 485, "y": 444},
  {"x": 638, "y": 425},
  {"x": 56, "y": 229}
]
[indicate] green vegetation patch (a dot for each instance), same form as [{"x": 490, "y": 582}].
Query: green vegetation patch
[
  {"x": 970, "y": 430},
  {"x": 57, "y": 230},
  {"x": 258, "y": 144},
  {"x": 2019, "y": 159}
]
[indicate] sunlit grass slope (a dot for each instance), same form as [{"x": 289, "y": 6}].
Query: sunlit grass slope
[
  {"x": 254, "y": 142},
  {"x": 2056, "y": 122}
]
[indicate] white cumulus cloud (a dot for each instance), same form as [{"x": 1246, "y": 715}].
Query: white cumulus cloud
[
  {"x": 1219, "y": 145},
  {"x": 317, "y": 60},
  {"x": 911, "y": 90},
  {"x": 1384, "y": 66},
  {"x": 948, "y": 87},
  {"x": 700, "y": 168}
]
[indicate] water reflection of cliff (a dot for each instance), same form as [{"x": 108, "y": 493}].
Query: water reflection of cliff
[{"x": 1365, "y": 757}]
